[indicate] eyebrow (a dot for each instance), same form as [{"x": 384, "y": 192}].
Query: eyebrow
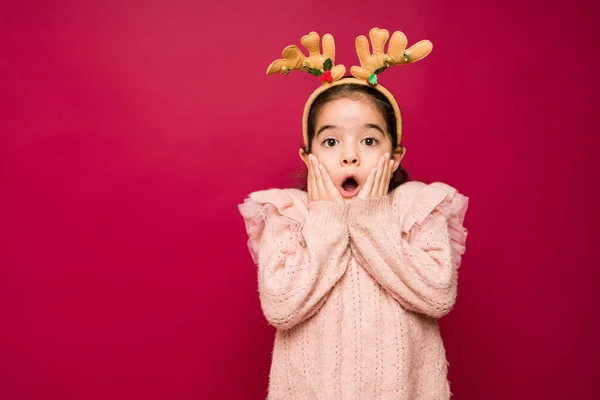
[{"x": 365, "y": 127}]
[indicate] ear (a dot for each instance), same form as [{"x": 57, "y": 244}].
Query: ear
[
  {"x": 303, "y": 155},
  {"x": 397, "y": 156}
]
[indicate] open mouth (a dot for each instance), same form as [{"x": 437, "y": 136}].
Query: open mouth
[{"x": 349, "y": 187}]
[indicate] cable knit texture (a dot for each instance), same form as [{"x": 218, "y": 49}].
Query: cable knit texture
[{"x": 355, "y": 290}]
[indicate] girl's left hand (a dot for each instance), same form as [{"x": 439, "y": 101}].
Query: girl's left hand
[{"x": 378, "y": 181}]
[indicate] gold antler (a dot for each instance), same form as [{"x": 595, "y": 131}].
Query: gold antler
[
  {"x": 374, "y": 64},
  {"x": 315, "y": 64}
]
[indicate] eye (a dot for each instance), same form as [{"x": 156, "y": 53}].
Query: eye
[
  {"x": 370, "y": 141},
  {"x": 329, "y": 142}
]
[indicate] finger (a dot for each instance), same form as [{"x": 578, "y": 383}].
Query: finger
[
  {"x": 316, "y": 192},
  {"x": 310, "y": 179},
  {"x": 380, "y": 167},
  {"x": 384, "y": 175},
  {"x": 319, "y": 181},
  {"x": 366, "y": 189},
  {"x": 392, "y": 171},
  {"x": 385, "y": 179},
  {"x": 332, "y": 192},
  {"x": 388, "y": 176}
]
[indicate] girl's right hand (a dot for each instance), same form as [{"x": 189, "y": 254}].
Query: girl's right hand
[{"x": 319, "y": 183}]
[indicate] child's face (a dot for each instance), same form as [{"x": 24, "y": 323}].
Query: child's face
[{"x": 350, "y": 136}]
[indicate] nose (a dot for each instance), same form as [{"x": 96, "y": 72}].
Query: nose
[
  {"x": 350, "y": 157},
  {"x": 350, "y": 161}
]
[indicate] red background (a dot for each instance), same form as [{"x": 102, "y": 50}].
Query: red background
[{"x": 129, "y": 133}]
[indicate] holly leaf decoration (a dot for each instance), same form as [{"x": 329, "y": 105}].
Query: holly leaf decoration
[
  {"x": 315, "y": 72},
  {"x": 379, "y": 70},
  {"x": 328, "y": 64}
]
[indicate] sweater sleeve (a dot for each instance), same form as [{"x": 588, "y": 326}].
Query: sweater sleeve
[
  {"x": 414, "y": 257},
  {"x": 301, "y": 252}
]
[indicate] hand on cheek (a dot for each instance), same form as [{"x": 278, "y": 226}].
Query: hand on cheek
[
  {"x": 319, "y": 183},
  {"x": 378, "y": 181}
]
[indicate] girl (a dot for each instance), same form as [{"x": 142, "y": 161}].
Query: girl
[{"x": 355, "y": 271}]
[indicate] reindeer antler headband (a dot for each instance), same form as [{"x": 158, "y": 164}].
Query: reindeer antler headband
[{"x": 371, "y": 65}]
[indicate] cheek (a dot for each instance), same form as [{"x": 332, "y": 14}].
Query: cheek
[
  {"x": 386, "y": 146},
  {"x": 329, "y": 159},
  {"x": 370, "y": 157},
  {"x": 370, "y": 163},
  {"x": 329, "y": 162}
]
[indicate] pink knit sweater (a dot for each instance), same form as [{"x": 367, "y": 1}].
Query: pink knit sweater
[{"x": 355, "y": 290}]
